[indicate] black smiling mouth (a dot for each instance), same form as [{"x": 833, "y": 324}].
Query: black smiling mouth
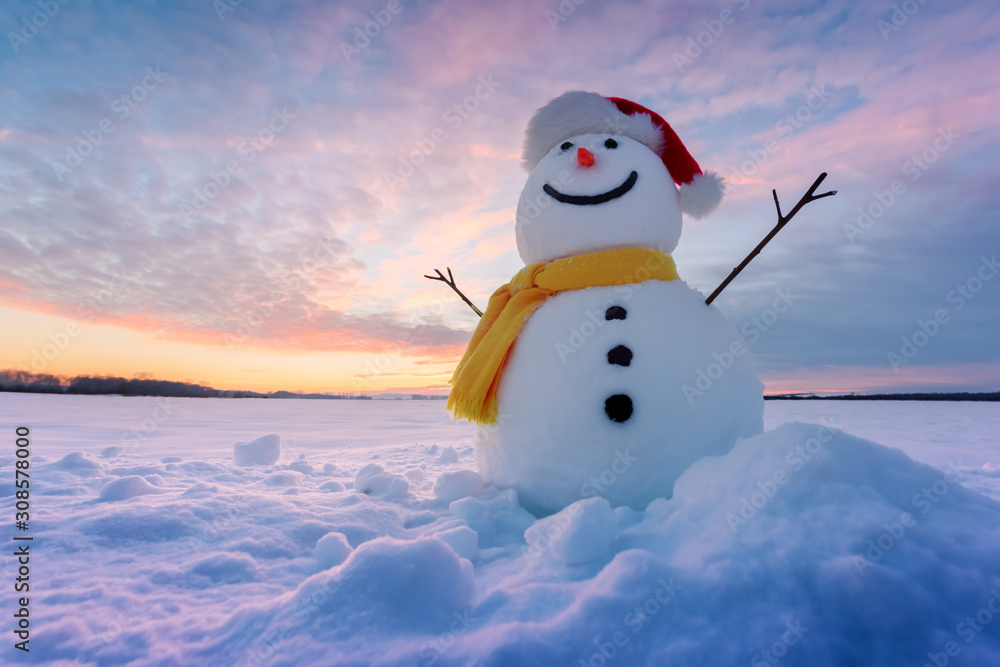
[{"x": 587, "y": 200}]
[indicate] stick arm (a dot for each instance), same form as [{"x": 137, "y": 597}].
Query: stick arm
[
  {"x": 809, "y": 196},
  {"x": 450, "y": 282}
]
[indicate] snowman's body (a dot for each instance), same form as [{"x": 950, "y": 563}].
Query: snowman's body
[
  {"x": 565, "y": 431},
  {"x": 611, "y": 391}
]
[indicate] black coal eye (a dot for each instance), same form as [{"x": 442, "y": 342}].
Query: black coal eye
[
  {"x": 611, "y": 143},
  {"x": 567, "y": 145}
]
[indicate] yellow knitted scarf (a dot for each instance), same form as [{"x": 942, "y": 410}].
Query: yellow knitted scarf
[{"x": 475, "y": 382}]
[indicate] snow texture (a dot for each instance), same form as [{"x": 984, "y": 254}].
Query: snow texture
[
  {"x": 375, "y": 481},
  {"x": 448, "y": 455},
  {"x": 124, "y": 488},
  {"x": 459, "y": 484},
  {"x": 581, "y": 533},
  {"x": 804, "y": 545},
  {"x": 332, "y": 549},
  {"x": 463, "y": 540},
  {"x": 263, "y": 451}
]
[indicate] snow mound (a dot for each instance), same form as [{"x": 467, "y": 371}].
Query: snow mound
[
  {"x": 284, "y": 479},
  {"x": 201, "y": 489},
  {"x": 579, "y": 534},
  {"x": 79, "y": 463},
  {"x": 332, "y": 549},
  {"x": 302, "y": 466},
  {"x": 781, "y": 549},
  {"x": 124, "y": 488},
  {"x": 457, "y": 484},
  {"x": 462, "y": 539},
  {"x": 264, "y": 451},
  {"x": 226, "y": 568},
  {"x": 373, "y": 480},
  {"x": 498, "y": 519},
  {"x": 332, "y": 485},
  {"x": 792, "y": 542},
  {"x": 387, "y": 585},
  {"x": 448, "y": 455}
]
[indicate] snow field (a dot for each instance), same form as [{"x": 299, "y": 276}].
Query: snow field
[{"x": 803, "y": 546}]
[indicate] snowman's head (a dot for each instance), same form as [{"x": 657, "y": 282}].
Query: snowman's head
[
  {"x": 594, "y": 192},
  {"x": 604, "y": 173}
]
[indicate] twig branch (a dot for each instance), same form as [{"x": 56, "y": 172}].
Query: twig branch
[
  {"x": 450, "y": 282},
  {"x": 782, "y": 221}
]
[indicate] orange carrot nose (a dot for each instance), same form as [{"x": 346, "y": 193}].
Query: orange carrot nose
[{"x": 584, "y": 157}]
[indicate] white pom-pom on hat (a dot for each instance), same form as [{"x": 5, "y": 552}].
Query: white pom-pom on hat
[
  {"x": 579, "y": 112},
  {"x": 702, "y": 195}
]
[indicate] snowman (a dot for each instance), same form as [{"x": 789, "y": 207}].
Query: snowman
[{"x": 597, "y": 371}]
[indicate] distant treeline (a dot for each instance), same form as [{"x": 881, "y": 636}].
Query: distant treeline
[
  {"x": 41, "y": 383},
  {"x": 961, "y": 396}
]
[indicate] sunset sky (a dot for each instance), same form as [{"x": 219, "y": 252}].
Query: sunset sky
[{"x": 247, "y": 194}]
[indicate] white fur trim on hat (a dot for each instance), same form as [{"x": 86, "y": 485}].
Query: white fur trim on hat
[
  {"x": 700, "y": 197},
  {"x": 579, "y": 112}
]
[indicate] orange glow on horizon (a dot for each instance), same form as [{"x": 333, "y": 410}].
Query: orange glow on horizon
[
  {"x": 45, "y": 343},
  {"x": 50, "y": 343}
]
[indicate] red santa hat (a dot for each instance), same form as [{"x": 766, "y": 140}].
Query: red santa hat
[{"x": 578, "y": 112}]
